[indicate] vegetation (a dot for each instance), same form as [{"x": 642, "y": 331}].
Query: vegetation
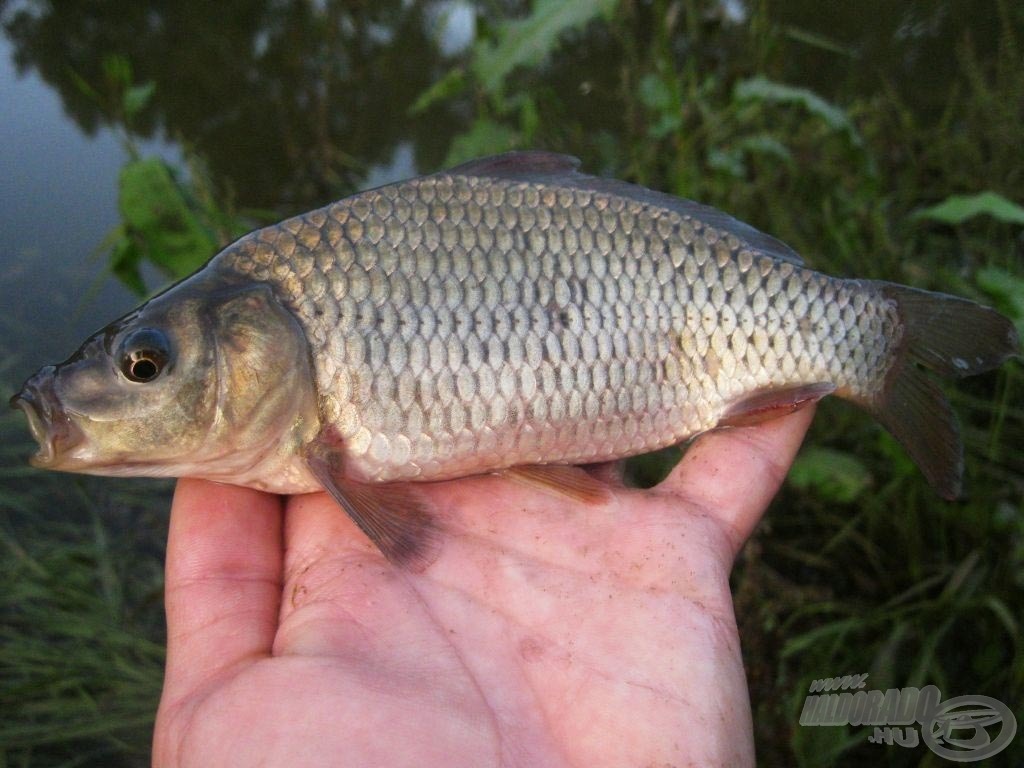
[
  {"x": 858, "y": 567},
  {"x": 81, "y": 622}
]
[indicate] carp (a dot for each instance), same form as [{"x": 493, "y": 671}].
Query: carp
[{"x": 510, "y": 314}]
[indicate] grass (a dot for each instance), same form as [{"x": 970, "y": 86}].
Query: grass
[
  {"x": 81, "y": 620},
  {"x": 858, "y": 566}
]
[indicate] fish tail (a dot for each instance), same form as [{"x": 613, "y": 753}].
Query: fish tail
[{"x": 952, "y": 337}]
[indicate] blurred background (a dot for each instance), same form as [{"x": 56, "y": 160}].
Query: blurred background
[{"x": 881, "y": 140}]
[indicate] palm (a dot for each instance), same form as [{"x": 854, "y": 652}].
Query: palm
[{"x": 546, "y": 633}]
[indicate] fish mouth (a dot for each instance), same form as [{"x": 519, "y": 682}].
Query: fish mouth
[{"x": 51, "y": 427}]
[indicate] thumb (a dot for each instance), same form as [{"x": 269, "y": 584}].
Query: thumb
[{"x": 734, "y": 473}]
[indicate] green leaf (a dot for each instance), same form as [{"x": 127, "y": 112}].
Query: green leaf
[
  {"x": 531, "y": 40},
  {"x": 665, "y": 125},
  {"x": 833, "y": 475},
  {"x": 125, "y": 259},
  {"x": 767, "y": 145},
  {"x": 728, "y": 161},
  {"x": 798, "y": 643},
  {"x": 898, "y": 463},
  {"x": 158, "y": 222},
  {"x": 1003, "y": 613},
  {"x": 1007, "y": 290},
  {"x": 117, "y": 69},
  {"x": 654, "y": 92},
  {"x": 529, "y": 118},
  {"x": 85, "y": 88},
  {"x": 452, "y": 84},
  {"x": 956, "y": 209},
  {"x": 485, "y": 137},
  {"x": 819, "y": 41},
  {"x": 762, "y": 89},
  {"x": 136, "y": 98}
]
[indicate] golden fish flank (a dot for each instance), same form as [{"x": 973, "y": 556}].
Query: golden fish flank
[{"x": 509, "y": 314}]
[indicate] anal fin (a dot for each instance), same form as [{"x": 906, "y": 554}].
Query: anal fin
[
  {"x": 768, "y": 404},
  {"x": 563, "y": 480},
  {"x": 394, "y": 516}
]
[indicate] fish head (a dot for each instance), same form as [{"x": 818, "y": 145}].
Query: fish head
[{"x": 198, "y": 382}]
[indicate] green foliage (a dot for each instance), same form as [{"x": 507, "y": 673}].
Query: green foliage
[
  {"x": 957, "y": 209},
  {"x": 904, "y": 641},
  {"x": 662, "y": 100},
  {"x": 529, "y": 41},
  {"x": 1007, "y": 290},
  {"x": 506, "y": 122},
  {"x": 158, "y": 225},
  {"x": 449, "y": 86},
  {"x": 761, "y": 89},
  {"x": 81, "y": 632},
  {"x": 485, "y": 137},
  {"x": 833, "y": 475},
  {"x": 171, "y": 223},
  {"x": 118, "y": 96},
  {"x": 136, "y": 97}
]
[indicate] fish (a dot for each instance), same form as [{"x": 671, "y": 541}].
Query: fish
[{"x": 510, "y": 315}]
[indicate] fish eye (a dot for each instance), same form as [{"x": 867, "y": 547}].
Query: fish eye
[{"x": 143, "y": 355}]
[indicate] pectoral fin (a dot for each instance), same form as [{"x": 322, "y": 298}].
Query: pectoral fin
[
  {"x": 394, "y": 516},
  {"x": 571, "y": 482}
]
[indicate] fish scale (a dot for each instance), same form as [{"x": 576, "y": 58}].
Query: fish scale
[{"x": 463, "y": 323}]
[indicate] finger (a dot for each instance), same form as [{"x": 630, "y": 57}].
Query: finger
[
  {"x": 734, "y": 473},
  {"x": 341, "y": 597},
  {"x": 327, "y": 563},
  {"x": 223, "y": 581}
]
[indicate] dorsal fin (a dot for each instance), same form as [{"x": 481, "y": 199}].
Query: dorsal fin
[
  {"x": 561, "y": 170},
  {"x": 525, "y": 165}
]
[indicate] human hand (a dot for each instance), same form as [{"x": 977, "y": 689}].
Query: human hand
[{"x": 546, "y": 633}]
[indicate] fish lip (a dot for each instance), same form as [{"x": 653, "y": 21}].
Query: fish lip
[{"x": 51, "y": 427}]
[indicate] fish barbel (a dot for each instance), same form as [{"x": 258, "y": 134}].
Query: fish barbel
[{"x": 510, "y": 314}]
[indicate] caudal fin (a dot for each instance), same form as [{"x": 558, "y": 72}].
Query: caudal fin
[{"x": 952, "y": 337}]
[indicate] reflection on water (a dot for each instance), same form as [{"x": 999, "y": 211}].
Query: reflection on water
[
  {"x": 296, "y": 102},
  {"x": 293, "y": 100},
  {"x": 290, "y": 101},
  {"x": 58, "y": 200}
]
